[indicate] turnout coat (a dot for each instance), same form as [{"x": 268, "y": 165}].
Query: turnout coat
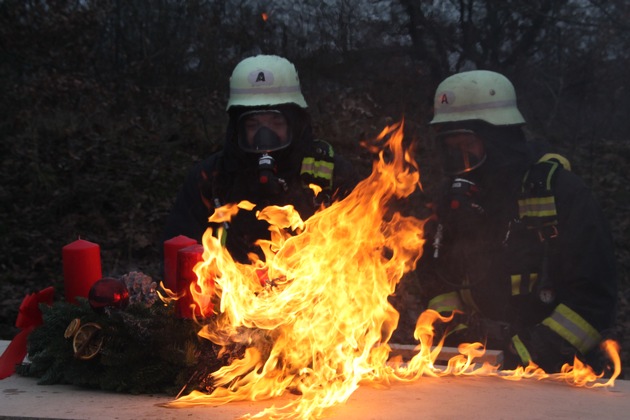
[{"x": 540, "y": 293}]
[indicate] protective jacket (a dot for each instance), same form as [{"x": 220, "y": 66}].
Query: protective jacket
[
  {"x": 231, "y": 175},
  {"x": 539, "y": 296}
]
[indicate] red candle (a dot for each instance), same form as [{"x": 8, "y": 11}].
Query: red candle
[
  {"x": 81, "y": 268},
  {"x": 170, "y": 259},
  {"x": 187, "y": 258}
]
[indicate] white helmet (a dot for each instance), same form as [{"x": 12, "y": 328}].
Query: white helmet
[
  {"x": 265, "y": 80},
  {"x": 476, "y": 95}
]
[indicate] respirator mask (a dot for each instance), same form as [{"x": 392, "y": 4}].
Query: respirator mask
[
  {"x": 263, "y": 132},
  {"x": 462, "y": 151}
]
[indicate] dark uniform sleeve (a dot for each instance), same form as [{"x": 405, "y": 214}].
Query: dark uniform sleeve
[
  {"x": 440, "y": 270},
  {"x": 582, "y": 267},
  {"x": 438, "y": 293},
  {"x": 189, "y": 215},
  {"x": 345, "y": 177}
]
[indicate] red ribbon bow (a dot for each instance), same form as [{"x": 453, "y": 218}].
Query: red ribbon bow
[{"x": 29, "y": 318}]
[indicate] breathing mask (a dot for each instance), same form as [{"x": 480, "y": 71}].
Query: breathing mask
[
  {"x": 263, "y": 131},
  {"x": 462, "y": 151}
]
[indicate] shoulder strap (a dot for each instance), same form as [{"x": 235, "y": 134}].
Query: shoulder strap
[
  {"x": 537, "y": 211},
  {"x": 318, "y": 165},
  {"x": 537, "y": 204}
]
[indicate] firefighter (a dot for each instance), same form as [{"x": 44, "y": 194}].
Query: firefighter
[
  {"x": 519, "y": 249},
  {"x": 269, "y": 158}
]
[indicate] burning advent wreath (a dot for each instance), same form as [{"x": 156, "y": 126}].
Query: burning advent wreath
[{"x": 122, "y": 338}]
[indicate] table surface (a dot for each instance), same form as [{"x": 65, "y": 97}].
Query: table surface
[{"x": 434, "y": 398}]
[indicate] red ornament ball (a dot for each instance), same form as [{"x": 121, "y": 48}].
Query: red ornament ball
[{"x": 108, "y": 292}]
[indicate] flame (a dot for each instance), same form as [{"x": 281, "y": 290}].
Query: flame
[
  {"x": 264, "y": 16},
  {"x": 314, "y": 318},
  {"x": 579, "y": 374}
]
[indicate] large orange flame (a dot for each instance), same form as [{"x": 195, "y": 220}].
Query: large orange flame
[{"x": 319, "y": 323}]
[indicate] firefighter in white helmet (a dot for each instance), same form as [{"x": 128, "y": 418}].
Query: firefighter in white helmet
[
  {"x": 519, "y": 249},
  {"x": 269, "y": 158}
]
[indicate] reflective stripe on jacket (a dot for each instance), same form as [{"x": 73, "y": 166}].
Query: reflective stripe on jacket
[{"x": 569, "y": 325}]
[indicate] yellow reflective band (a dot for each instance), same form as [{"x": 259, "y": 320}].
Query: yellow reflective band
[
  {"x": 446, "y": 303},
  {"x": 537, "y": 207},
  {"x": 569, "y": 325},
  {"x": 517, "y": 283},
  {"x": 221, "y": 235},
  {"x": 563, "y": 161},
  {"x": 459, "y": 327},
  {"x": 318, "y": 168},
  {"x": 522, "y": 351}
]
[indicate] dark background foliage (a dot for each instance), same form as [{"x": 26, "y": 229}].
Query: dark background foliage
[{"x": 105, "y": 105}]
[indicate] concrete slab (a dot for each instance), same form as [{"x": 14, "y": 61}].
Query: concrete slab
[{"x": 435, "y": 398}]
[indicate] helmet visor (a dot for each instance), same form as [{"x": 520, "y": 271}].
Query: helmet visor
[
  {"x": 462, "y": 151},
  {"x": 263, "y": 131}
]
